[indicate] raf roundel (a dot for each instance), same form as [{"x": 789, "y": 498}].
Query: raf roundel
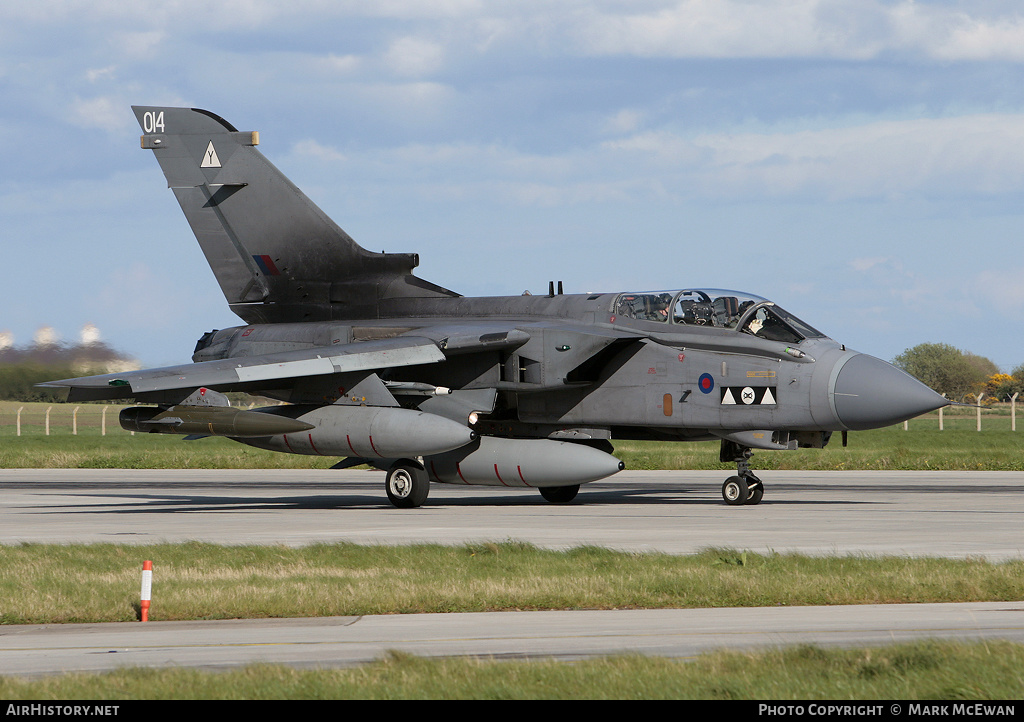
[{"x": 706, "y": 383}]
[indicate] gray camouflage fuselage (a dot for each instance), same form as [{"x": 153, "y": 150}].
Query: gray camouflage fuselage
[
  {"x": 382, "y": 367},
  {"x": 641, "y": 387}
]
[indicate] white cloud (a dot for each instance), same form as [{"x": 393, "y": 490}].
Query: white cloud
[
  {"x": 314, "y": 149},
  {"x": 102, "y": 112},
  {"x": 1003, "y": 289},
  {"x": 419, "y": 101},
  {"x": 343, "y": 64},
  {"x": 95, "y": 74},
  {"x": 625, "y": 121},
  {"x": 702, "y": 28},
  {"x": 142, "y": 44},
  {"x": 981, "y": 39},
  {"x": 848, "y": 29},
  {"x": 414, "y": 57},
  {"x": 980, "y": 154},
  {"x": 929, "y": 158},
  {"x": 844, "y": 29},
  {"x": 866, "y": 264},
  {"x": 660, "y": 147}
]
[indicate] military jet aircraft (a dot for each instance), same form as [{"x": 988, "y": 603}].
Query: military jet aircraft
[{"x": 381, "y": 367}]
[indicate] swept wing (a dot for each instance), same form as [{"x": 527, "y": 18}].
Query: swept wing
[{"x": 253, "y": 372}]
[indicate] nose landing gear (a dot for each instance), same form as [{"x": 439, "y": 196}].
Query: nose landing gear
[{"x": 744, "y": 488}]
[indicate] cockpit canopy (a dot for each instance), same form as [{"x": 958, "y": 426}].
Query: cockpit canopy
[{"x": 715, "y": 308}]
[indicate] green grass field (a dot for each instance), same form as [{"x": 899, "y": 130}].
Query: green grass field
[
  {"x": 96, "y": 583},
  {"x": 50, "y": 583},
  {"x": 923, "y": 671}
]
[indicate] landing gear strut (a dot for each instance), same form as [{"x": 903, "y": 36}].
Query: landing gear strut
[{"x": 744, "y": 488}]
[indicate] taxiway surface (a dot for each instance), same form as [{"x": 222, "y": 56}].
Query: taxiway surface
[
  {"x": 950, "y": 514},
  {"x": 953, "y": 514},
  {"x": 347, "y": 641}
]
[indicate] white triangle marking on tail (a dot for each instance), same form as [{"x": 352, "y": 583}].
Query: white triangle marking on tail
[{"x": 210, "y": 159}]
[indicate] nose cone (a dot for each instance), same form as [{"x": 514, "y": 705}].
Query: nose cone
[{"x": 870, "y": 394}]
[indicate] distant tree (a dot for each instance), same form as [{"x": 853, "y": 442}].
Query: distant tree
[
  {"x": 946, "y": 369},
  {"x": 17, "y": 381},
  {"x": 985, "y": 367},
  {"x": 22, "y": 368},
  {"x": 1003, "y": 386}
]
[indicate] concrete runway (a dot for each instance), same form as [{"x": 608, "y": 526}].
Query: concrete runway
[
  {"x": 953, "y": 514},
  {"x": 346, "y": 641}
]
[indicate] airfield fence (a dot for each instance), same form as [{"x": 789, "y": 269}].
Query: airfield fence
[
  {"x": 28, "y": 418},
  {"x": 34, "y": 419}
]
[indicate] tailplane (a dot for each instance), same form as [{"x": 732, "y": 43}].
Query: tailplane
[{"x": 276, "y": 255}]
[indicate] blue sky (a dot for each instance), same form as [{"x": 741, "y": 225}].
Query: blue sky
[{"x": 860, "y": 162}]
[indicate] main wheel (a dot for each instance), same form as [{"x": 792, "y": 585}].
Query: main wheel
[
  {"x": 755, "y": 495},
  {"x": 735, "y": 491},
  {"x": 407, "y": 485},
  {"x": 560, "y": 494}
]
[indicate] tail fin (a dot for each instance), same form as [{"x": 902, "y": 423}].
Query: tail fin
[{"x": 276, "y": 255}]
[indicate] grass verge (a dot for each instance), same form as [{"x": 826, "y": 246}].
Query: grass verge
[
  {"x": 43, "y": 583},
  {"x": 881, "y": 449},
  {"x": 923, "y": 447},
  {"x": 930, "y": 670}
]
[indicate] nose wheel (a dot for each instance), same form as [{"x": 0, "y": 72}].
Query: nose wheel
[{"x": 744, "y": 489}]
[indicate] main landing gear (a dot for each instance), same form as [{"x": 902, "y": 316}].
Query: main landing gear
[
  {"x": 560, "y": 494},
  {"x": 407, "y": 484},
  {"x": 744, "y": 488}
]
